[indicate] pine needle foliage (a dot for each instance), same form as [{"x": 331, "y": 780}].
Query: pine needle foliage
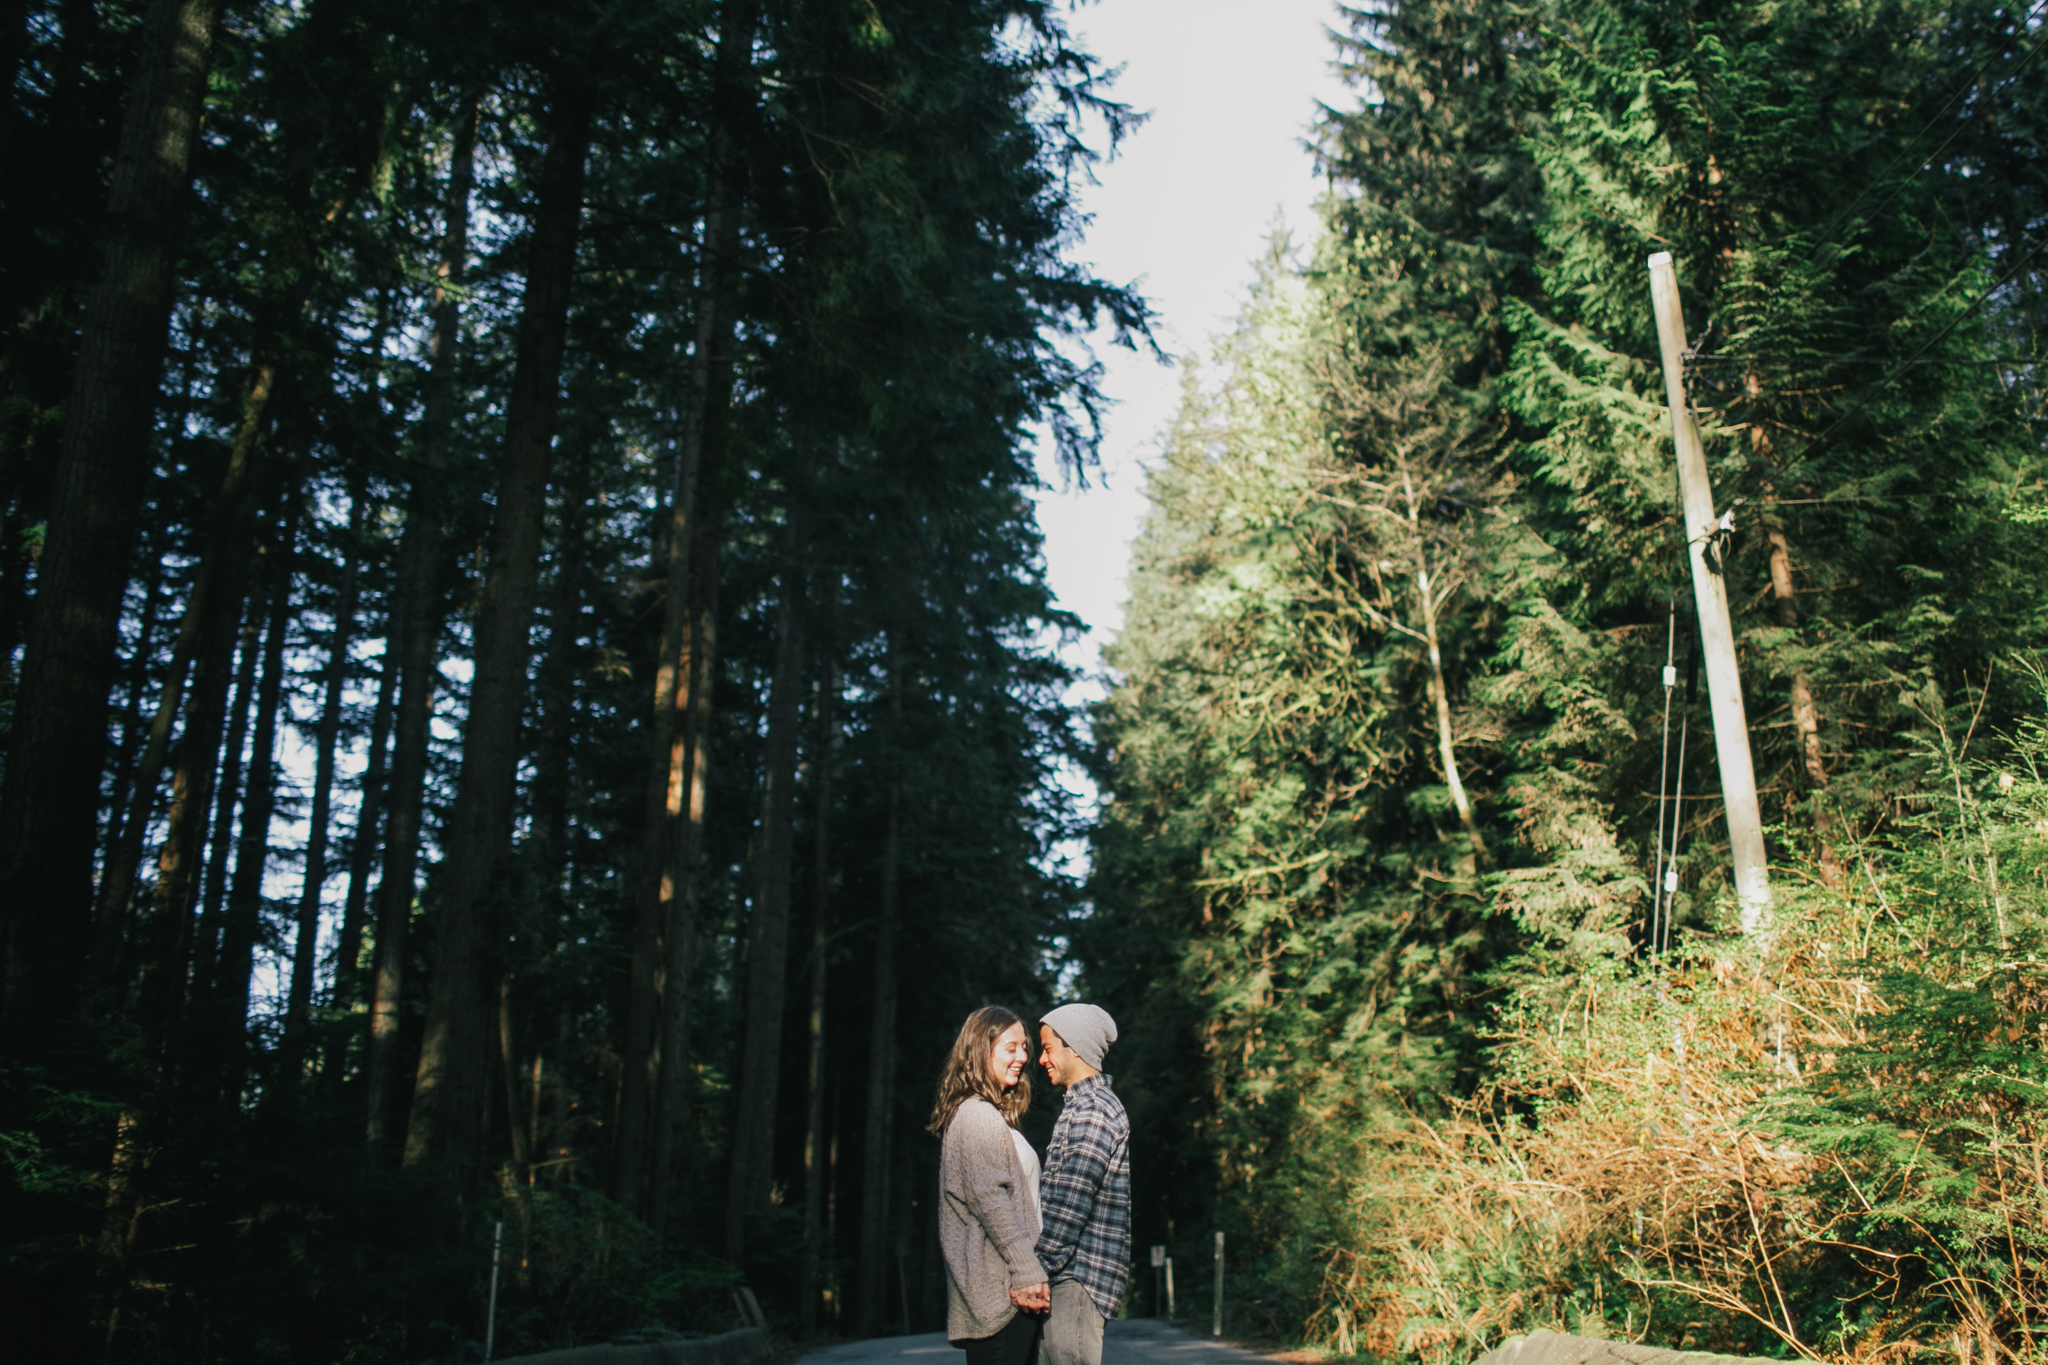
[{"x": 1389, "y": 756}]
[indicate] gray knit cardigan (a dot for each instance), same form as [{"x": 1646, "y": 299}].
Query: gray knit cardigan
[{"x": 987, "y": 1224}]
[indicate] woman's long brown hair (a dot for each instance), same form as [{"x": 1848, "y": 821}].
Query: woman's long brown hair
[{"x": 967, "y": 1074}]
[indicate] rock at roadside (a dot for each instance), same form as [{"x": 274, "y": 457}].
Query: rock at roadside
[{"x": 1555, "y": 1348}]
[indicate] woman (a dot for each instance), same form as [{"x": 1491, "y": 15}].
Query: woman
[{"x": 996, "y": 1295}]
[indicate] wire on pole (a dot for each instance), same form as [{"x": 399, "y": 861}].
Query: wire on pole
[
  {"x": 1953, "y": 323},
  {"x": 1670, "y": 880},
  {"x": 1664, "y": 773},
  {"x": 1842, "y": 218}
]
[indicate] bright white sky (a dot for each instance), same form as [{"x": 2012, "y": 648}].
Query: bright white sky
[{"x": 1184, "y": 212}]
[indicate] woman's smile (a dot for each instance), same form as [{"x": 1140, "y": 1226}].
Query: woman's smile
[{"x": 1008, "y": 1058}]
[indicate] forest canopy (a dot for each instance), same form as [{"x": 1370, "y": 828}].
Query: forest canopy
[
  {"x": 531, "y": 705},
  {"x": 529, "y": 692},
  {"x": 1413, "y": 853}
]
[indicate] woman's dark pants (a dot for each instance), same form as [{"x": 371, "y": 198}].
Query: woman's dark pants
[{"x": 1016, "y": 1344}]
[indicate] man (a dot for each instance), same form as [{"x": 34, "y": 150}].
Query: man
[{"x": 1084, "y": 1196}]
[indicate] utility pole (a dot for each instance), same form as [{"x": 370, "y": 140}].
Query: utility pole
[{"x": 1710, "y": 595}]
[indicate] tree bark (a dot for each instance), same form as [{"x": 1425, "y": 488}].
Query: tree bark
[
  {"x": 547, "y": 847},
  {"x": 212, "y": 614},
  {"x": 1805, "y": 715},
  {"x": 165, "y": 980},
  {"x": 1430, "y": 596},
  {"x": 419, "y": 635},
  {"x": 452, "y": 1081},
  {"x": 659, "y": 889},
  {"x": 220, "y": 854},
  {"x": 112, "y": 930},
  {"x": 672, "y": 1103},
  {"x": 821, "y": 910},
  {"x": 874, "y": 1190},
  {"x": 753, "y": 1149},
  {"x": 49, "y": 803},
  {"x": 217, "y": 593},
  {"x": 326, "y": 740},
  {"x": 508, "y": 1058},
  {"x": 243, "y": 924},
  {"x": 662, "y": 889},
  {"x": 1445, "y": 736},
  {"x": 348, "y": 948},
  {"x": 292, "y": 269},
  {"x": 414, "y": 637},
  {"x": 875, "y": 1164}
]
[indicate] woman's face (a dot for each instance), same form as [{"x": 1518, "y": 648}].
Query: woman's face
[{"x": 1011, "y": 1055}]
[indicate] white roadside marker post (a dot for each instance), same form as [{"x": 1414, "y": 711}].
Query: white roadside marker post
[{"x": 1216, "y": 1323}]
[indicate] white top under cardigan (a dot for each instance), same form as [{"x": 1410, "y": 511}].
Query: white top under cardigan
[{"x": 1028, "y": 1159}]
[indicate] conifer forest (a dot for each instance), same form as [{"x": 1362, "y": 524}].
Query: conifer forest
[{"x": 531, "y": 702}]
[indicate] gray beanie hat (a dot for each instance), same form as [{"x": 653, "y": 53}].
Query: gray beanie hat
[{"x": 1087, "y": 1029}]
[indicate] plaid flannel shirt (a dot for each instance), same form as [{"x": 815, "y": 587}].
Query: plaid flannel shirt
[{"x": 1084, "y": 1196}]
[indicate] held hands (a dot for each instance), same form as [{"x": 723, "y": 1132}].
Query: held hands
[{"x": 1038, "y": 1298}]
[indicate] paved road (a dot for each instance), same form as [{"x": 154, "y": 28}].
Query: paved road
[{"x": 1131, "y": 1341}]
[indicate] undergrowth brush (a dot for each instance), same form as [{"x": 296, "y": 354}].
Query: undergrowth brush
[{"x": 1829, "y": 1141}]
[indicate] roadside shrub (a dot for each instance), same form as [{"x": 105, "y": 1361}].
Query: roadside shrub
[{"x": 1830, "y": 1141}]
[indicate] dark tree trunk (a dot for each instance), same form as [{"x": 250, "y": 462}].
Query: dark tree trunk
[
  {"x": 667, "y": 795},
  {"x": 292, "y": 269},
  {"x": 452, "y": 1084},
  {"x": 220, "y": 854},
  {"x": 13, "y": 48},
  {"x": 362, "y": 851},
  {"x": 837, "y": 1319},
  {"x": 768, "y": 930},
  {"x": 821, "y": 912},
  {"x": 213, "y": 610},
  {"x": 216, "y": 595},
  {"x": 49, "y": 805},
  {"x": 14, "y": 562},
  {"x": 243, "y": 923},
  {"x": 874, "y": 1188},
  {"x": 110, "y": 932},
  {"x": 167, "y": 977},
  {"x": 672, "y": 1102},
  {"x": 545, "y": 853},
  {"x": 326, "y": 739},
  {"x": 558, "y": 1117},
  {"x": 414, "y": 638},
  {"x": 508, "y": 1058},
  {"x": 417, "y": 642},
  {"x": 548, "y": 845},
  {"x": 662, "y": 890},
  {"x": 349, "y": 978}
]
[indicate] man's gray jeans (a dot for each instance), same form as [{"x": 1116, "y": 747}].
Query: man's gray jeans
[{"x": 1073, "y": 1335}]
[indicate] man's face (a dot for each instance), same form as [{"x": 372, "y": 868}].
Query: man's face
[{"x": 1056, "y": 1057}]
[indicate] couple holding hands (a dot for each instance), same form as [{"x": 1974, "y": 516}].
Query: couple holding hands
[{"x": 1032, "y": 1254}]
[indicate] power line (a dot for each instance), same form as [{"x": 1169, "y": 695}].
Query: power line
[
  {"x": 1909, "y": 361},
  {"x": 1842, "y": 218},
  {"x": 1819, "y": 443}
]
